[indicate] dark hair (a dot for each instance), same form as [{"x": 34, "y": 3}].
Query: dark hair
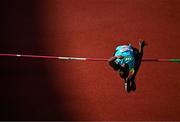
[{"x": 123, "y": 72}]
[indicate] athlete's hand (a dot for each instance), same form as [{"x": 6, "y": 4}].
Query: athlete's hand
[
  {"x": 142, "y": 43},
  {"x": 119, "y": 57}
]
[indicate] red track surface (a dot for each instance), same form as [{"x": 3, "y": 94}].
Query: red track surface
[{"x": 93, "y": 28}]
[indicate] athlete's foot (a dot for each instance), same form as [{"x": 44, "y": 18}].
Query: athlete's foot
[
  {"x": 133, "y": 86},
  {"x": 125, "y": 86},
  {"x": 128, "y": 88}
]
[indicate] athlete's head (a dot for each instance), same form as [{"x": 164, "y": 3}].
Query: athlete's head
[{"x": 123, "y": 71}]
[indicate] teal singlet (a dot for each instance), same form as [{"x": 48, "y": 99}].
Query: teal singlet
[{"x": 127, "y": 52}]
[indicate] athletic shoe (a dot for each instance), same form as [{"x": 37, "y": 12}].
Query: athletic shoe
[
  {"x": 128, "y": 86},
  {"x": 125, "y": 86},
  {"x": 133, "y": 85}
]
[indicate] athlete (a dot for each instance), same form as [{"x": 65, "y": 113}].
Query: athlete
[{"x": 126, "y": 61}]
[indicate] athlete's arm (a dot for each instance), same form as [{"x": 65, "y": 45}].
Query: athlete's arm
[
  {"x": 133, "y": 72},
  {"x": 112, "y": 62}
]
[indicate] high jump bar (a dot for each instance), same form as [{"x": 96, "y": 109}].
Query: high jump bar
[{"x": 82, "y": 58}]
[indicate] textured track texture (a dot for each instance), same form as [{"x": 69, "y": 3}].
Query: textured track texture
[{"x": 82, "y": 90}]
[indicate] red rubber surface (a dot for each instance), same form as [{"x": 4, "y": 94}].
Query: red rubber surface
[
  {"x": 92, "y": 90},
  {"x": 94, "y": 28}
]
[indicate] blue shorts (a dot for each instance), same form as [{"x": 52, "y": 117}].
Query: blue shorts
[{"x": 127, "y": 52}]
